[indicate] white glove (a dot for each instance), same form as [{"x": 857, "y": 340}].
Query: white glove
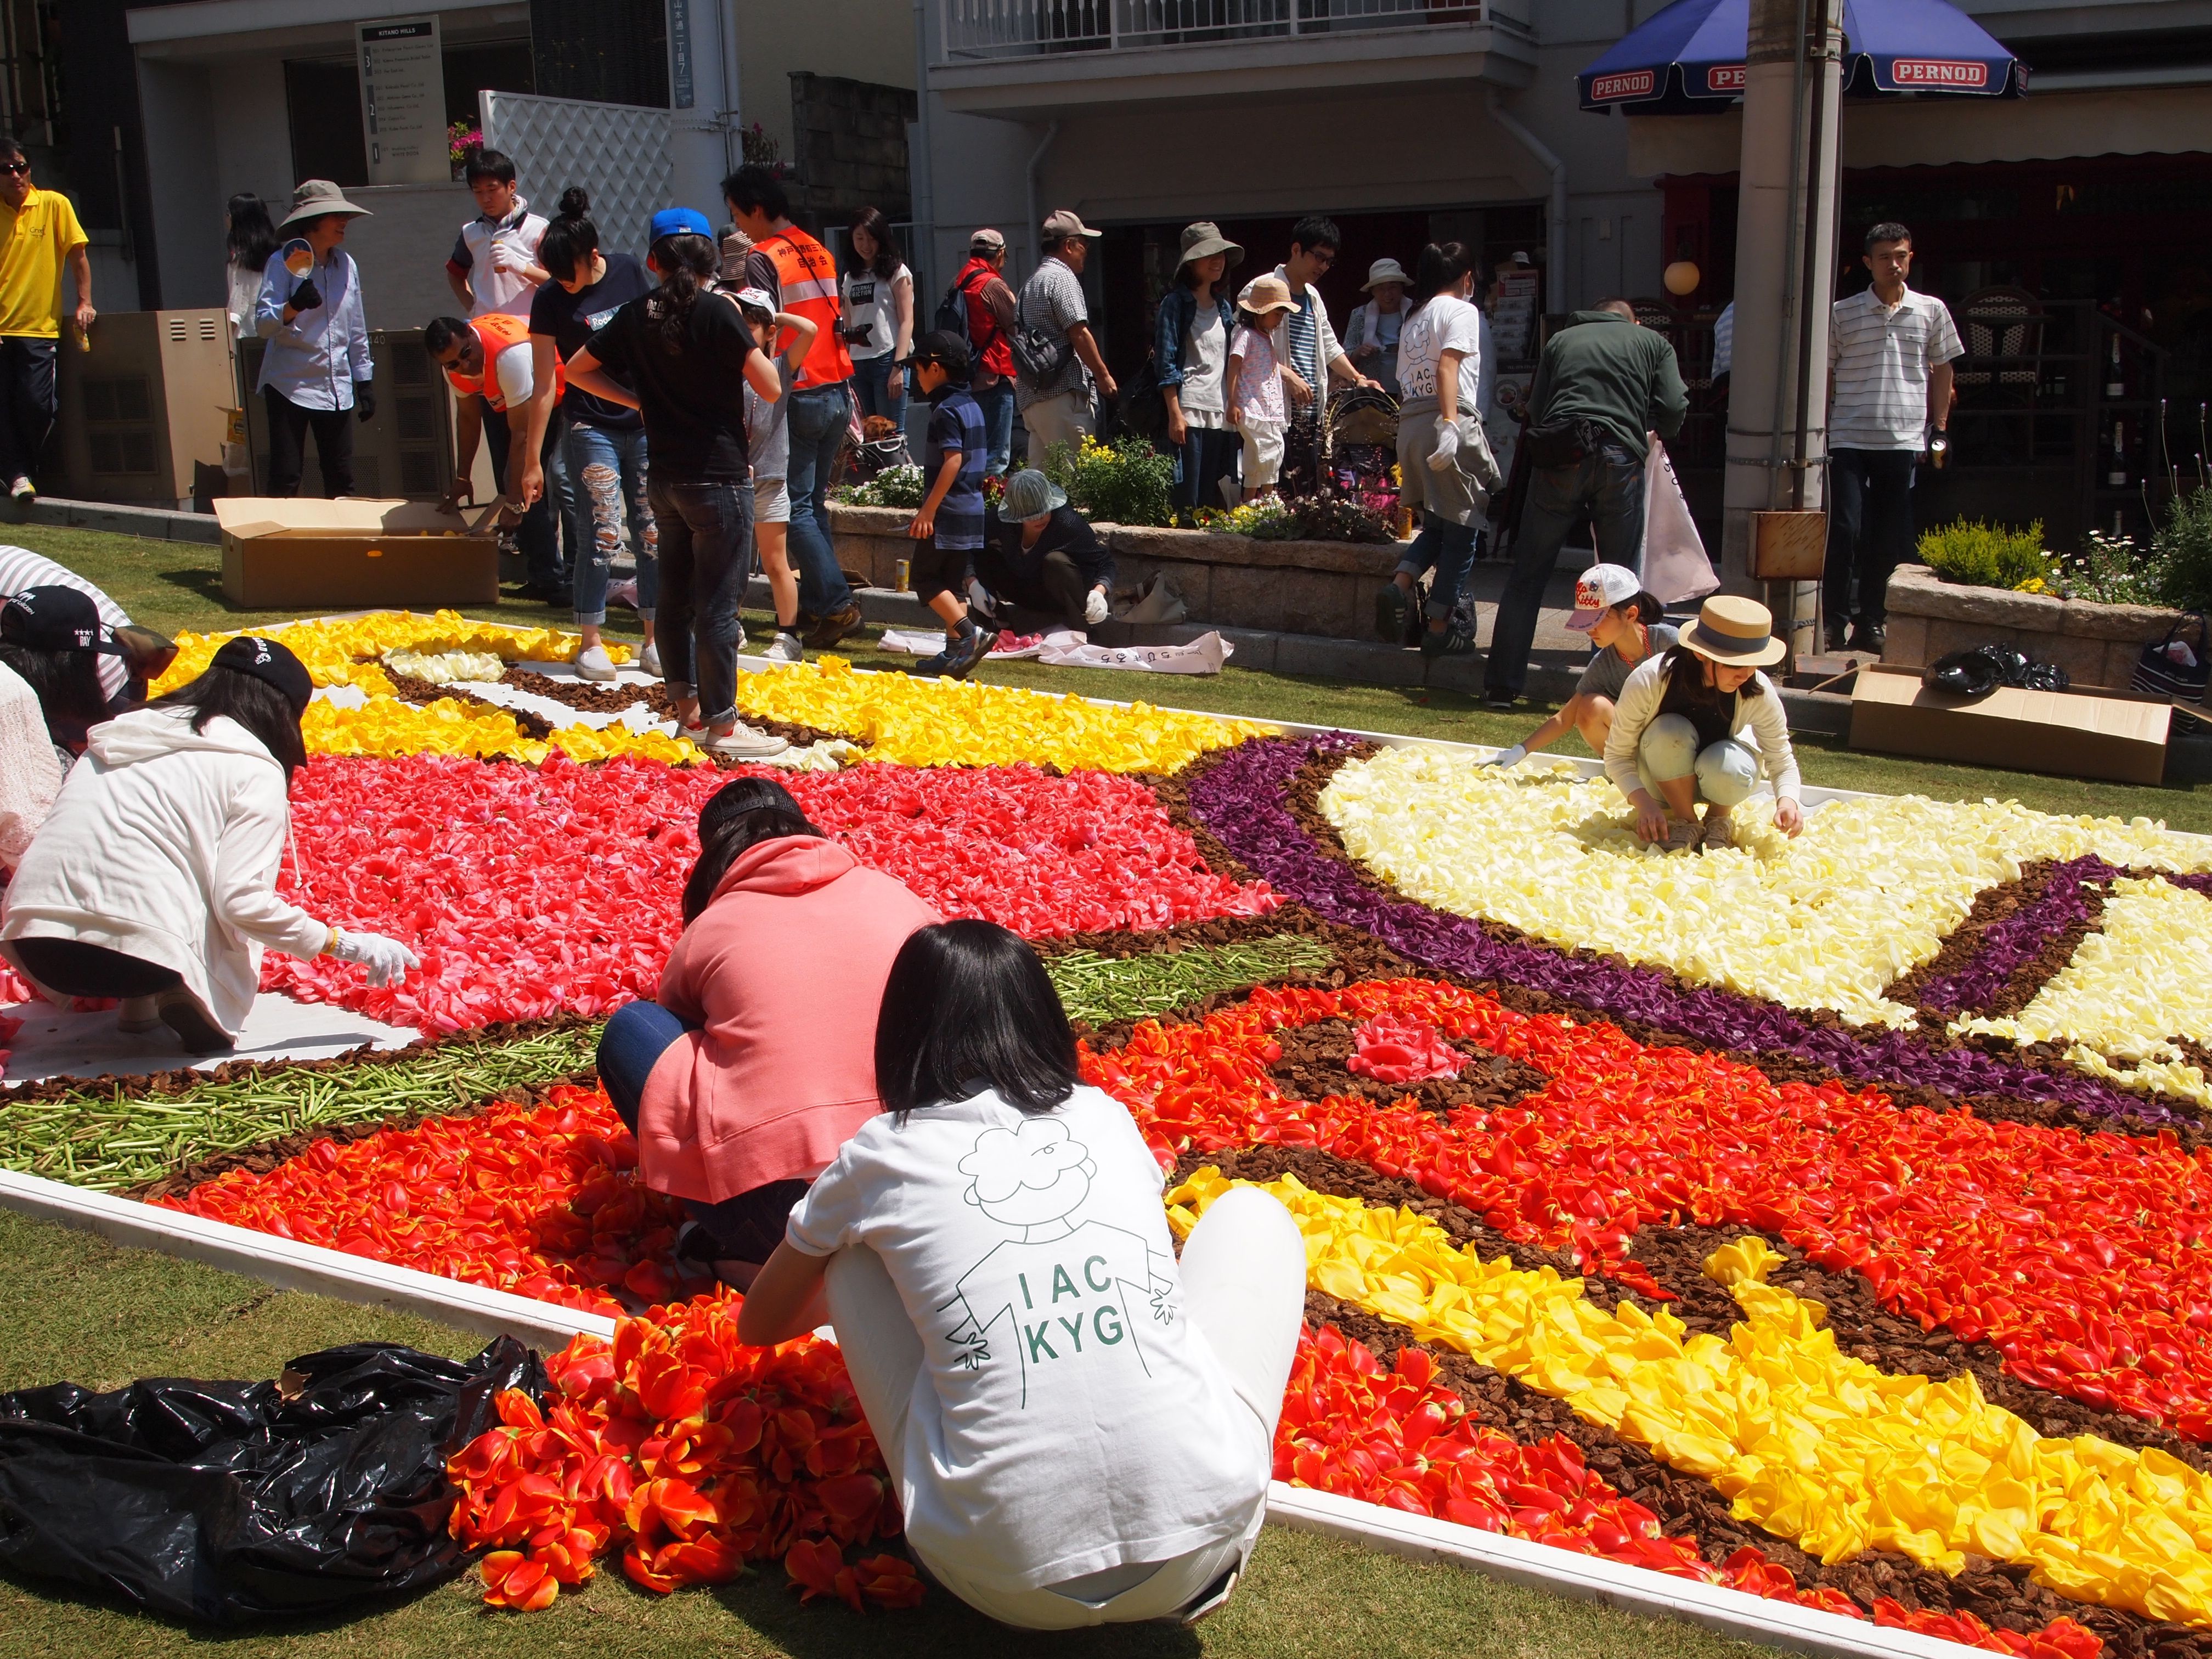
[
  {"x": 1445, "y": 456},
  {"x": 385, "y": 958},
  {"x": 1512, "y": 757},
  {"x": 1094, "y": 607}
]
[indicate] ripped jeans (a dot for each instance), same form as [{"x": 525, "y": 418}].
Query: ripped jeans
[{"x": 606, "y": 466}]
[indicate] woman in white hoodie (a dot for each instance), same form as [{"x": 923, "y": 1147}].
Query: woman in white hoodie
[{"x": 154, "y": 878}]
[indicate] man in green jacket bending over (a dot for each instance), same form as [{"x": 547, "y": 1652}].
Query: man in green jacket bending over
[{"x": 1602, "y": 383}]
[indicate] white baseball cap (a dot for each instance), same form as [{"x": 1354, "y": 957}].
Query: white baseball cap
[{"x": 1601, "y": 588}]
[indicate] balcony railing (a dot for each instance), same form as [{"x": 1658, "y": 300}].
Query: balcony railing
[{"x": 1021, "y": 28}]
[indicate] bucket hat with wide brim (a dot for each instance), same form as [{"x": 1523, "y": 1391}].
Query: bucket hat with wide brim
[
  {"x": 317, "y": 197},
  {"x": 1205, "y": 238}
]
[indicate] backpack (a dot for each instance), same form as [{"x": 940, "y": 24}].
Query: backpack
[{"x": 952, "y": 311}]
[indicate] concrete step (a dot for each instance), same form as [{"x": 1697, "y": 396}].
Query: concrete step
[{"x": 160, "y": 523}]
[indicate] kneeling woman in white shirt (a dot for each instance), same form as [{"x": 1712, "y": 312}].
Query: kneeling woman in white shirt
[
  {"x": 1079, "y": 1426},
  {"x": 154, "y": 879}
]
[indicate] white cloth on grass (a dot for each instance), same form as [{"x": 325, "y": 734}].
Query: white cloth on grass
[
  {"x": 164, "y": 845},
  {"x": 1065, "y": 1416}
]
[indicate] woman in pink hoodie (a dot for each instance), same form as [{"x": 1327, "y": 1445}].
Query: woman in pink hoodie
[{"x": 755, "y": 1062}]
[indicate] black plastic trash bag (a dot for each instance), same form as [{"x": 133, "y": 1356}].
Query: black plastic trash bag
[
  {"x": 1969, "y": 674},
  {"x": 231, "y": 1502}
]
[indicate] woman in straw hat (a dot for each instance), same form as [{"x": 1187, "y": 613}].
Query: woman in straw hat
[
  {"x": 1673, "y": 740},
  {"x": 1370, "y": 337},
  {"x": 316, "y": 370},
  {"x": 1190, "y": 350}
]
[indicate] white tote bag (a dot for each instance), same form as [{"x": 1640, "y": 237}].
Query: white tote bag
[{"x": 1675, "y": 567}]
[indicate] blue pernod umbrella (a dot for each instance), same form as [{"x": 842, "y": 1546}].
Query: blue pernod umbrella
[{"x": 1689, "y": 58}]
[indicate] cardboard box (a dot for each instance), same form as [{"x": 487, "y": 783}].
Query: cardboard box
[
  {"x": 2084, "y": 734},
  {"x": 309, "y": 555}
]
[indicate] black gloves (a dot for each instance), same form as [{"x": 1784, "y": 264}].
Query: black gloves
[
  {"x": 307, "y": 296},
  {"x": 364, "y": 401}
]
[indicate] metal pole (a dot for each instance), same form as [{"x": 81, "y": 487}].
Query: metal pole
[
  {"x": 1037, "y": 219},
  {"x": 922, "y": 182}
]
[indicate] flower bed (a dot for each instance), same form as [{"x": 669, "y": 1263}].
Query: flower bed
[
  {"x": 1829, "y": 1220},
  {"x": 2096, "y": 644}
]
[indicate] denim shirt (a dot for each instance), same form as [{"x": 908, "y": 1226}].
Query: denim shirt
[
  {"x": 315, "y": 360},
  {"x": 1177, "y": 306}
]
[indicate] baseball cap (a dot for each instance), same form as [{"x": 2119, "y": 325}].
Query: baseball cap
[
  {"x": 948, "y": 351},
  {"x": 1601, "y": 588},
  {"x": 681, "y": 222},
  {"x": 56, "y": 619},
  {"x": 272, "y": 663},
  {"x": 986, "y": 240},
  {"x": 1064, "y": 223},
  {"x": 754, "y": 299}
]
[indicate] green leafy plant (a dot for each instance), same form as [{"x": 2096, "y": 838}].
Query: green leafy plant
[
  {"x": 894, "y": 486},
  {"x": 2111, "y": 570},
  {"x": 2181, "y": 552},
  {"x": 1988, "y": 556},
  {"x": 1127, "y": 481}
]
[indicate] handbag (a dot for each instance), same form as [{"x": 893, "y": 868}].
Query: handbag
[{"x": 2172, "y": 669}]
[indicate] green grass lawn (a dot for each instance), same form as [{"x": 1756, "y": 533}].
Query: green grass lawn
[{"x": 81, "y": 1310}]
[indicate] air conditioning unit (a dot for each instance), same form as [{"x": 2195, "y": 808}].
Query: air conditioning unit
[
  {"x": 407, "y": 451},
  {"x": 148, "y": 400}
]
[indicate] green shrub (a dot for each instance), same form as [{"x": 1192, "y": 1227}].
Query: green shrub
[
  {"x": 1987, "y": 556},
  {"x": 2181, "y": 551},
  {"x": 1123, "y": 483},
  {"x": 2111, "y": 570}
]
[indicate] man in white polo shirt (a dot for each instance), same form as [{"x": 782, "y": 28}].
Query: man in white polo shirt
[{"x": 1889, "y": 381}]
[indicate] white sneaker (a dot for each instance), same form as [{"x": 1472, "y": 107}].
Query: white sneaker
[
  {"x": 785, "y": 648},
  {"x": 742, "y": 743},
  {"x": 23, "y": 489},
  {"x": 741, "y": 636},
  {"x": 592, "y": 663},
  {"x": 649, "y": 659}
]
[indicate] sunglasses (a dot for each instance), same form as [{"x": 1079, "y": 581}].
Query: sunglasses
[{"x": 16, "y": 169}]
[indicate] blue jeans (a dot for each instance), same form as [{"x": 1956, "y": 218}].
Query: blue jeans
[
  {"x": 538, "y": 535},
  {"x": 607, "y": 465},
  {"x": 820, "y": 415},
  {"x": 1608, "y": 485},
  {"x": 706, "y": 537},
  {"x": 745, "y": 1228},
  {"x": 1450, "y": 548},
  {"x": 871, "y": 390},
  {"x": 997, "y": 401}
]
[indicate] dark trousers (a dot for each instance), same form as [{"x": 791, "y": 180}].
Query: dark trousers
[
  {"x": 745, "y": 1228},
  {"x": 1869, "y": 530},
  {"x": 28, "y": 402},
  {"x": 706, "y": 540},
  {"x": 1053, "y": 586},
  {"x": 1607, "y": 484},
  {"x": 931, "y": 569},
  {"x": 1208, "y": 456},
  {"x": 74, "y": 968},
  {"x": 289, "y": 426},
  {"x": 538, "y": 535}
]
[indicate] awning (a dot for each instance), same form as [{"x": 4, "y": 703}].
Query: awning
[{"x": 1689, "y": 60}]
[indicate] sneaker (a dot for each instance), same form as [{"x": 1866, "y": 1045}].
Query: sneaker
[
  {"x": 741, "y": 638},
  {"x": 837, "y": 625},
  {"x": 979, "y": 601},
  {"x": 784, "y": 648},
  {"x": 1718, "y": 834},
  {"x": 181, "y": 1011},
  {"x": 967, "y": 651},
  {"x": 1870, "y": 636},
  {"x": 23, "y": 489},
  {"x": 1391, "y": 604},
  {"x": 1498, "y": 701},
  {"x": 1681, "y": 835},
  {"x": 649, "y": 661},
  {"x": 1837, "y": 638},
  {"x": 1446, "y": 642},
  {"x": 742, "y": 743},
  {"x": 592, "y": 663},
  {"x": 138, "y": 1015}
]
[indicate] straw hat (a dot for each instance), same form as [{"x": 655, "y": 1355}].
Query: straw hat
[
  {"x": 317, "y": 197},
  {"x": 1205, "y": 238},
  {"x": 1385, "y": 270},
  {"x": 1267, "y": 294},
  {"x": 1738, "y": 633}
]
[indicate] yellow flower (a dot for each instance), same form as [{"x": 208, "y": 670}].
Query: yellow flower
[
  {"x": 387, "y": 726},
  {"x": 334, "y": 651},
  {"x": 1807, "y": 1442}
]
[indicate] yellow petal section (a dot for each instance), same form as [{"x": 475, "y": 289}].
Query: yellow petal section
[
  {"x": 1828, "y": 921},
  {"x": 918, "y": 722},
  {"x": 389, "y": 727},
  {"x": 332, "y": 650},
  {"x": 1809, "y": 1443}
]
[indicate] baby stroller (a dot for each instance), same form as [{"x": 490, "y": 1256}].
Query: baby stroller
[
  {"x": 1359, "y": 443},
  {"x": 880, "y": 446}
]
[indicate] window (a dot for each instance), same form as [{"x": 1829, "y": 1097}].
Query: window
[{"x": 324, "y": 97}]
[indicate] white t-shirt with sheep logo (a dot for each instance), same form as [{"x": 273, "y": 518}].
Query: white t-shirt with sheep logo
[{"x": 1068, "y": 1419}]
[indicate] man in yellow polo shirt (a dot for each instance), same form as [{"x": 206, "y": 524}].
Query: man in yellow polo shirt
[{"x": 38, "y": 231}]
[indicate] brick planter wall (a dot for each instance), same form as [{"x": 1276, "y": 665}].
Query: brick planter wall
[
  {"x": 1231, "y": 581},
  {"x": 2095, "y": 644}
]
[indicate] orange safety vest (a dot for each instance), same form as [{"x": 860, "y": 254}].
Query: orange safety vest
[
  {"x": 808, "y": 277},
  {"x": 496, "y": 331}
]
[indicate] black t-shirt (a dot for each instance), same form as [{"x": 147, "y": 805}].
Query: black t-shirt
[
  {"x": 572, "y": 318},
  {"x": 694, "y": 394}
]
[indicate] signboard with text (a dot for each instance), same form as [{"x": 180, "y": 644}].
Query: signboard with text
[{"x": 402, "y": 101}]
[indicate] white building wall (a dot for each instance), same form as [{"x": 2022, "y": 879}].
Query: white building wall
[
  {"x": 178, "y": 110},
  {"x": 252, "y": 130}
]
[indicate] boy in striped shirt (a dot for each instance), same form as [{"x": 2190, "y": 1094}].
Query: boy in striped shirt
[
  {"x": 1889, "y": 380},
  {"x": 949, "y": 528}
]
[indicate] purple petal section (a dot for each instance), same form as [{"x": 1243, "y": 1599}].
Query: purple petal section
[
  {"x": 2018, "y": 939},
  {"x": 1240, "y": 799}
]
